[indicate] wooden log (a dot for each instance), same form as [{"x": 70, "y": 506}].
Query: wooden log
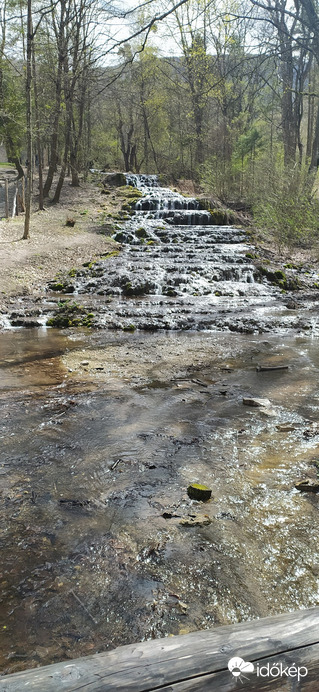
[{"x": 197, "y": 662}]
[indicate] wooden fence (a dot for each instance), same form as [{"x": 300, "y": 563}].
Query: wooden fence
[{"x": 278, "y": 653}]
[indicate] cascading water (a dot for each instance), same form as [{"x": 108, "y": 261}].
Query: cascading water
[{"x": 176, "y": 270}]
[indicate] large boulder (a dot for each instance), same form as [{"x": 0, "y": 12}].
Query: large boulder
[{"x": 114, "y": 179}]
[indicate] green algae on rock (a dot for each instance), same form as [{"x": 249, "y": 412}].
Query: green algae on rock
[
  {"x": 199, "y": 492},
  {"x": 70, "y": 315}
]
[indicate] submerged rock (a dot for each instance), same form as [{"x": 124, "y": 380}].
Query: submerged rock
[
  {"x": 266, "y": 411},
  {"x": 308, "y": 485},
  {"x": 311, "y": 431},
  {"x": 199, "y": 492},
  {"x": 253, "y": 401},
  {"x": 196, "y": 520},
  {"x": 286, "y": 427}
]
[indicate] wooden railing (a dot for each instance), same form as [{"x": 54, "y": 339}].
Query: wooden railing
[{"x": 283, "y": 650}]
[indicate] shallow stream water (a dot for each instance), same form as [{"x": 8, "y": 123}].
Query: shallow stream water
[{"x": 101, "y": 434}]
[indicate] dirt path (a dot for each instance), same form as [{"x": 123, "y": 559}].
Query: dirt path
[{"x": 25, "y": 265}]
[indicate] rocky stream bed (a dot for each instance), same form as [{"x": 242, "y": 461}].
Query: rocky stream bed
[{"x": 102, "y": 430}]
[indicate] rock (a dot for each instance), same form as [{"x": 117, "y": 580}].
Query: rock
[
  {"x": 25, "y": 322},
  {"x": 292, "y": 304},
  {"x": 308, "y": 485},
  {"x": 196, "y": 520},
  {"x": 266, "y": 411},
  {"x": 170, "y": 515},
  {"x": 199, "y": 492},
  {"x": 84, "y": 362},
  {"x": 256, "y": 402},
  {"x": 114, "y": 179},
  {"x": 312, "y": 430},
  {"x": 269, "y": 368},
  {"x": 285, "y": 427}
]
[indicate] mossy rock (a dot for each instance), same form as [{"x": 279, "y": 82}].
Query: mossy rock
[
  {"x": 170, "y": 292},
  {"x": 61, "y": 287},
  {"x": 131, "y": 192},
  {"x": 199, "y": 492},
  {"x": 222, "y": 217},
  {"x": 107, "y": 255},
  {"x": 70, "y": 315},
  {"x": 114, "y": 179},
  {"x": 137, "y": 290},
  {"x": 120, "y": 237},
  {"x": 203, "y": 203},
  {"x": 141, "y": 233},
  {"x": 279, "y": 278}
]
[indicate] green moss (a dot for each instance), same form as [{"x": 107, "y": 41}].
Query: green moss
[
  {"x": 130, "y": 192},
  {"x": 61, "y": 287},
  {"x": 279, "y": 278},
  {"x": 107, "y": 255},
  {"x": 141, "y": 233},
  {"x": 70, "y": 315},
  {"x": 129, "y": 328},
  {"x": 120, "y": 237},
  {"x": 196, "y": 491},
  {"x": 222, "y": 217}
]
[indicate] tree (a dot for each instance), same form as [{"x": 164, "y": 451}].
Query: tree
[{"x": 26, "y": 233}]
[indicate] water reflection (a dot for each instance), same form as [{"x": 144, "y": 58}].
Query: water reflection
[{"x": 100, "y": 437}]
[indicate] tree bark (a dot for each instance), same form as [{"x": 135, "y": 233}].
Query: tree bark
[
  {"x": 38, "y": 134},
  {"x": 58, "y": 90},
  {"x": 26, "y": 233}
]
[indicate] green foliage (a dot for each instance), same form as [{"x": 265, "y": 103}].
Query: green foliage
[
  {"x": 71, "y": 315},
  {"x": 288, "y": 208}
]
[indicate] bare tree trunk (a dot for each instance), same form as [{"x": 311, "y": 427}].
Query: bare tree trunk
[
  {"x": 57, "y": 108},
  {"x": 315, "y": 146},
  {"x": 311, "y": 113},
  {"x": 37, "y": 124},
  {"x": 67, "y": 132},
  {"x": 26, "y": 233}
]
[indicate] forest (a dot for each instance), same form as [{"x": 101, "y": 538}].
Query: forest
[{"x": 207, "y": 90}]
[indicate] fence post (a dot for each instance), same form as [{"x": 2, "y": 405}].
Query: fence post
[
  {"x": 17, "y": 198},
  {"x": 23, "y": 192},
  {"x": 6, "y": 198}
]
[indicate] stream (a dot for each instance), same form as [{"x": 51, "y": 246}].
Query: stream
[{"x": 103, "y": 430}]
